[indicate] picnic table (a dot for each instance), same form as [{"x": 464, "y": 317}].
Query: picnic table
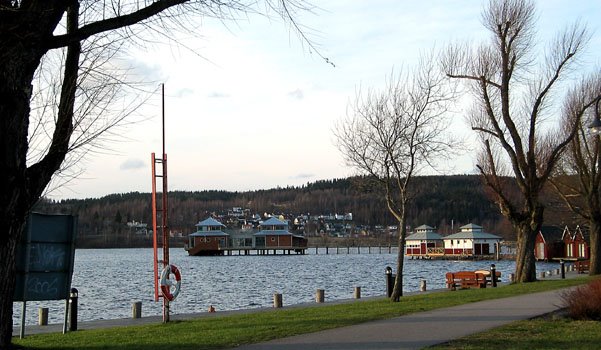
[
  {"x": 582, "y": 266},
  {"x": 465, "y": 279},
  {"x": 486, "y": 274}
]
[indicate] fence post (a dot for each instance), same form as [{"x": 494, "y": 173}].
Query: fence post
[
  {"x": 136, "y": 309},
  {"x": 422, "y": 285},
  {"x": 43, "y": 316},
  {"x": 319, "y": 296},
  {"x": 357, "y": 293},
  {"x": 277, "y": 300}
]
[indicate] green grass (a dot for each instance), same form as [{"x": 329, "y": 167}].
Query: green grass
[
  {"x": 534, "y": 334},
  {"x": 229, "y": 331}
]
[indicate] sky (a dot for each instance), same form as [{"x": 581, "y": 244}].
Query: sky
[{"x": 249, "y": 106}]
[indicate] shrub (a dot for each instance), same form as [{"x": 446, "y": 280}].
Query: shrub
[{"x": 584, "y": 302}]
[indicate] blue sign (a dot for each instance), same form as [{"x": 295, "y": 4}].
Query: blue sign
[{"x": 45, "y": 257}]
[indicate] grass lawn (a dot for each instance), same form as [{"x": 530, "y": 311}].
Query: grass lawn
[
  {"x": 229, "y": 331},
  {"x": 534, "y": 334}
]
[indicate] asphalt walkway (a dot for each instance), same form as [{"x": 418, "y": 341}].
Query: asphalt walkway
[{"x": 422, "y": 329}]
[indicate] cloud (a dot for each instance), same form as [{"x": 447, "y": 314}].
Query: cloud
[
  {"x": 297, "y": 94},
  {"x": 132, "y": 164},
  {"x": 303, "y": 176},
  {"x": 184, "y": 92},
  {"x": 216, "y": 94}
]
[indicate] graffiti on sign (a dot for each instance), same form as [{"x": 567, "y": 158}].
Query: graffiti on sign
[{"x": 45, "y": 258}]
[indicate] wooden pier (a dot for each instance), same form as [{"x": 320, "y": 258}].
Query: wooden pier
[
  {"x": 380, "y": 249},
  {"x": 265, "y": 251}
]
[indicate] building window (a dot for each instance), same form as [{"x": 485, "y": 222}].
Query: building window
[{"x": 581, "y": 250}]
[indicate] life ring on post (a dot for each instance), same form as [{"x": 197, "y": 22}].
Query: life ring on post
[{"x": 169, "y": 288}]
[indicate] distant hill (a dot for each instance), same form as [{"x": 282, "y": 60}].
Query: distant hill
[{"x": 444, "y": 202}]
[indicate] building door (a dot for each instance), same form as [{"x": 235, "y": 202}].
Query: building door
[
  {"x": 540, "y": 251},
  {"x": 485, "y": 249},
  {"x": 478, "y": 249}
]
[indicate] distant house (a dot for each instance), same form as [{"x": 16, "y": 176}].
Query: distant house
[
  {"x": 471, "y": 241},
  {"x": 209, "y": 238},
  {"x": 549, "y": 243},
  {"x": 424, "y": 242},
  {"x": 576, "y": 244},
  {"x": 274, "y": 234}
]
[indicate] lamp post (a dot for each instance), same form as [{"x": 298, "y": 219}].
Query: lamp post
[
  {"x": 595, "y": 126},
  {"x": 389, "y": 281}
]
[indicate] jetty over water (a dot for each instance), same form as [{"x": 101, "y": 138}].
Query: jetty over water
[{"x": 211, "y": 239}]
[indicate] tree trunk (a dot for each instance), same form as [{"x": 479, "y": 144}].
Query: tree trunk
[
  {"x": 595, "y": 264},
  {"x": 14, "y": 227},
  {"x": 528, "y": 227},
  {"x": 16, "y": 196},
  {"x": 397, "y": 291}
]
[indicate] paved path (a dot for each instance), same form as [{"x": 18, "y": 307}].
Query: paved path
[{"x": 422, "y": 329}]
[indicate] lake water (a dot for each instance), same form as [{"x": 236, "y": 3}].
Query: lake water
[{"x": 110, "y": 280}]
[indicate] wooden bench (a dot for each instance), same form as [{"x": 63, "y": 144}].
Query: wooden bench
[
  {"x": 465, "y": 279},
  {"x": 582, "y": 266}
]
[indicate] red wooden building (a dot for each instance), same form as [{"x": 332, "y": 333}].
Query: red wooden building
[
  {"x": 576, "y": 244},
  {"x": 549, "y": 243},
  {"x": 209, "y": 239},
  {"x": 274, "y": 234},
  {"x": 424, "y": 242},
  {"x": 554, "y": 243},
  {"x": 471, "y": 241}
]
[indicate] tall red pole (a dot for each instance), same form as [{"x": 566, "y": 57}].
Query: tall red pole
[{"x": 164, "y": 210}]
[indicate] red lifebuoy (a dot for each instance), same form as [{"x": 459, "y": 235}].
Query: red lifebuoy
[{"x": 167, "y": 283}]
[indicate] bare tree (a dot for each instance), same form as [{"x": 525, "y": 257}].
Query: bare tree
[
  {"x": 512, "y": 101},
  {"x": 395, "y": 134},
  {"x": 44, "y": 99},
  {"x": 578, "y": 178}
]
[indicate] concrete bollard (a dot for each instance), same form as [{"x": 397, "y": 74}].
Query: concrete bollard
[
  {"x": 511, "y": 277},
  {"x": 277, "y": 300},
  {"x": 357, "y": 293},
  {"x": 422, "y": 285},
  {"x": 42, "y": 316},
  {"x": 319, "y": 296},
  {"x": 557, "y": 271},
  {"x": 136, "y": 309},
  {"x": 541, "y": 274}
]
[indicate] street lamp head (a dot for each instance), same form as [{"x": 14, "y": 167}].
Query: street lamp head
[{"x": 595, "y": 126}]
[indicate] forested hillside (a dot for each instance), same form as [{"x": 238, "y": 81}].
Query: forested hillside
[{"x": 439, "y": 201}]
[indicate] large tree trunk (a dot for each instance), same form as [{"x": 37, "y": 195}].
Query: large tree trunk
[
  {"x": 20, "y": 186},
  {"x": 528, "y": 227},
  {"x": 16, "y": 73},
  {"x": 595, "y": 227},
  {"x": 397, "y": 291},
  {"x": 8, "y": 246}
]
